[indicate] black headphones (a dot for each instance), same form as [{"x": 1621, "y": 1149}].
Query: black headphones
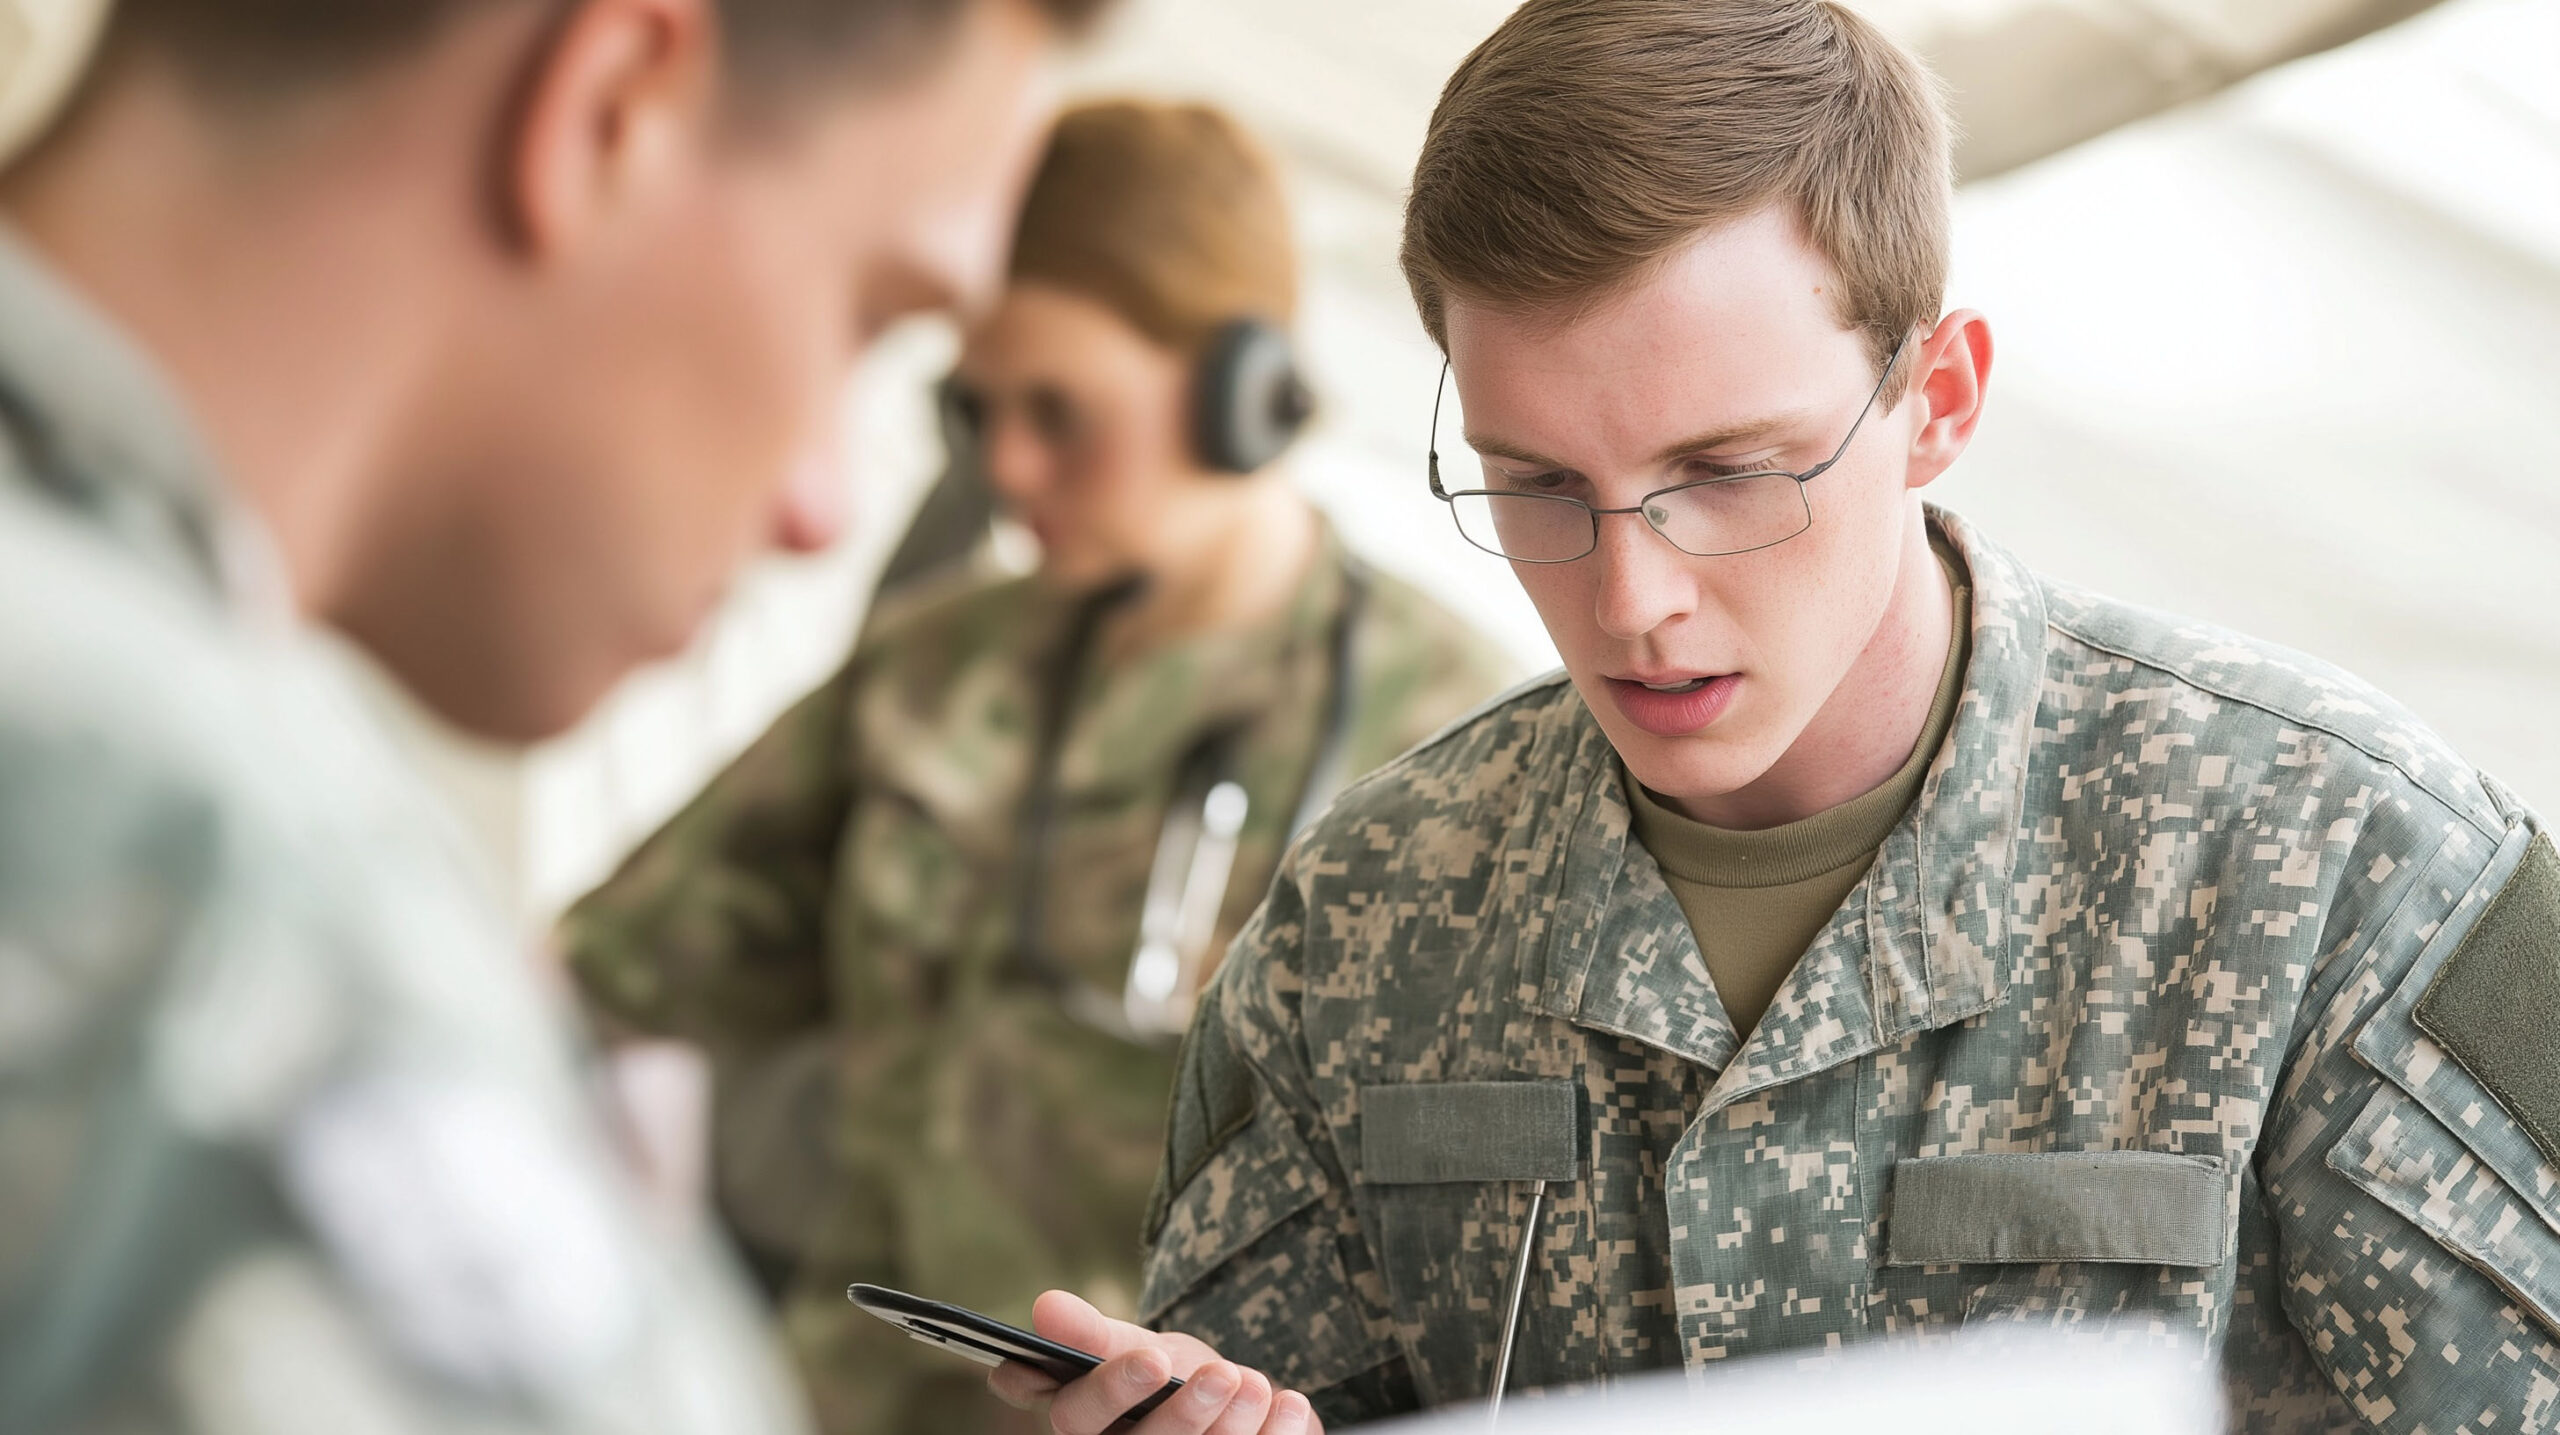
[{"x": 1248, "y": 400}]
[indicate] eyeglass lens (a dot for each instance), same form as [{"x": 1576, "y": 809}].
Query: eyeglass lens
[{"x": 1732, "y": 515}]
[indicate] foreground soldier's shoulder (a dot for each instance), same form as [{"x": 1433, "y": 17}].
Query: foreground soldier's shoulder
[
  {"x": 115, "y": 639},
  {"x": 2285, "y": 688}
]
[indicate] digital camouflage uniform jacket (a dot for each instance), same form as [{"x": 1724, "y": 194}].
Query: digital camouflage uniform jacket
[
  {"x": 2203, "y": 993},
  {"x": 902, "y": 1100},
  {"x": 292, "y": 1138}
]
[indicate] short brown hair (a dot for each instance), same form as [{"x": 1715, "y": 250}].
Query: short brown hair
[
  {"x": 1586, "y": 140},
  {"x": 1170, "y": 215},
  {"x": 251, "y": 47}
]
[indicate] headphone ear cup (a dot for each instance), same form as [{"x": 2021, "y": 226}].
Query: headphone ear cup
[{"x": 1249, "y": 401}]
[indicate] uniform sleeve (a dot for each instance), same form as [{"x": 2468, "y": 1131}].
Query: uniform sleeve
[
  {"x": 712, "y": 932},
  {"x": 2034, "y": 77},
  {"x": 2412, "y": 1161},
  {"x": 1253, "y": 1242}
]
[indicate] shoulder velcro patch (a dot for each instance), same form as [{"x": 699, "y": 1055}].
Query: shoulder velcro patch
[
  {"x": 2495, "y": 1008},
  {"x": 1212, "y": 1101}
]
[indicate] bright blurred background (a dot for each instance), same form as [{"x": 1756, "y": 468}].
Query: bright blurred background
[{"x": 2287, "y": 358}]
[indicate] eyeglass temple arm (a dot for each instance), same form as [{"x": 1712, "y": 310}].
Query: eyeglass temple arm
[
  {"x": 1438, "y": 393},
  {"x": 1810, "y": 474}
]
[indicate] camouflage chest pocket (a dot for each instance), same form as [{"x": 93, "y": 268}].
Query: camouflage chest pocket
[
  {"x": 1446, "y": 1169},
  {"x": 2464, "y": 1140},
  {"x": 2072, "y": 1233}
]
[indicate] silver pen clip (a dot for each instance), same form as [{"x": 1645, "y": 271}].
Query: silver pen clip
[{"x": 1512, "y": 1304}]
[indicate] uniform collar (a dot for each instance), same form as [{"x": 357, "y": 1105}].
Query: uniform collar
[
  {"x": 1230, "y": 678},
  {"x": 89, "y": 421},
  {"x": 1918, "y": 944}
]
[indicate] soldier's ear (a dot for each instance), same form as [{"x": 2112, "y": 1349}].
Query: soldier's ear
[
  {"x": 1950, "y": 374},
  {"x": 617, "y": 108}
]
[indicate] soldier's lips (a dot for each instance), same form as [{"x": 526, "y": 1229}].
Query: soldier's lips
[{"x": 1678, "y": 712}]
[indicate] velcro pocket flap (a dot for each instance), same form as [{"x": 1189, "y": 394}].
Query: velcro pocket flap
[
  {"x": 2136, "y": 1207},
  {"x": 1470, "y": 1131}
]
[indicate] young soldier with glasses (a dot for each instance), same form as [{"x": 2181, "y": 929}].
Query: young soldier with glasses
[{"x": 1862, "y": 936}]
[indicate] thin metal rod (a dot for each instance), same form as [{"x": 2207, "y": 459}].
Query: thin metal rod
[{"x": 1519, "y": 1293}]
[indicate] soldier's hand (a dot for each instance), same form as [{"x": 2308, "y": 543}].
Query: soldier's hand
[{"x": 1218, "y": 1397}]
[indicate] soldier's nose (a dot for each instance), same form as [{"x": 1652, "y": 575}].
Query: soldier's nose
[{"x": 1641, "y": 582}]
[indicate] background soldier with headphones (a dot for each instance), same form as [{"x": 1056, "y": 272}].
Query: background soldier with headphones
[{"x": 939, "y": 929}]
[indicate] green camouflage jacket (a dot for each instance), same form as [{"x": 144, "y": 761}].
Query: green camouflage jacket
[
  {"x": 2203, "y": 994},
  {"x": 901, "y": 1100},
  {"x": 291, "y": 1137}
]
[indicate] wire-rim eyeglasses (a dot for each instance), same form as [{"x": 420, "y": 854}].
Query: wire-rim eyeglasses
[{"x": 1660, "y": 508}]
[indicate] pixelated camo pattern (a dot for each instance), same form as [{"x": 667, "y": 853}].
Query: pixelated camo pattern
[{"x": 2165, "y": 890}]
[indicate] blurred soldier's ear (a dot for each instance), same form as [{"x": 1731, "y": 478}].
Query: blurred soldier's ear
[{"x": 617, "y": 102}]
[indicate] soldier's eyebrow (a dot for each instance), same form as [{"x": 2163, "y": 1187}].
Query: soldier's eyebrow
[
  {"x": 1746, "y": 432},
  {"x": 1723, "y": 436},
  {"x": 1492, "y": 447}
]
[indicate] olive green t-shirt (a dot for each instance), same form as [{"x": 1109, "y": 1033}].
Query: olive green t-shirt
[{"x": 1758, "y": 899}]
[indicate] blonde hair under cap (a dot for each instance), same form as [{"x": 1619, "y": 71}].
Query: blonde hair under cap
[{"x": 44, "y": 47}]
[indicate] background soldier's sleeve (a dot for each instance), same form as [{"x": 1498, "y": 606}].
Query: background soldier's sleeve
[
  {"x": 1426, "y": 668},
  {"x": 712, "y": 931},
  {"x": 2412, "y": 1161},
  {"x": 1253, "y": 1243}
]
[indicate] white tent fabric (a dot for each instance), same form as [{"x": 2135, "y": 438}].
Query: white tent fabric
[
  {"x": 2031, "y": 76},
  {"x": 2291, "y": 361}
]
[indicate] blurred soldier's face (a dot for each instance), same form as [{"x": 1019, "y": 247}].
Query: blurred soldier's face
[
  {"x": 1081, "y": 425},
  {"x": 1704, "y": 671},
  {"x": 636, "y": 405}
]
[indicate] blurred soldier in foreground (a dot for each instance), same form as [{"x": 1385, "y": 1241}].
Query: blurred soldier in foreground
[
  {"x": 1862, "y": 935},
  {"x": 941, "y": 927},
  {"x": 487, "y": 332}
]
